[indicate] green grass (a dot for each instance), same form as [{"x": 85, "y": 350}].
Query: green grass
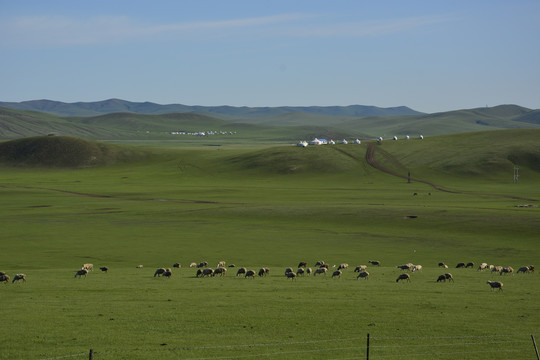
[{"x": 269, "y": 206}]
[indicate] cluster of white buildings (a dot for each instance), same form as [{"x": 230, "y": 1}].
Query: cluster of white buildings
[{"x": 203, "y": 133}]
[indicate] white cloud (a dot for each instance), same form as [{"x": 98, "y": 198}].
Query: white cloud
[{"x": 65, "y": 31}]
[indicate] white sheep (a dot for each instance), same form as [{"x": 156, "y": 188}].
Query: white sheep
[
  {"x": 495, "y": 285},
  {"x": 416, "y": 268},
  {"x": 482, "y": 267},
  {"x": 360, "y": 268},
  {"x": 221, "y": 264},
  {"x": 192, "y": 265},
  {"x": 139, "y": 266},
  {"x": 343, "y": 266},
  {"x": 88, "y": 267}
]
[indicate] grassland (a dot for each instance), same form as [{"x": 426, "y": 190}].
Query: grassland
[{"x": 274, "y": 206}]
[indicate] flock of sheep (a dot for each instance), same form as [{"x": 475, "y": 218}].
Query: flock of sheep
[{"x": 321, "y": 268}]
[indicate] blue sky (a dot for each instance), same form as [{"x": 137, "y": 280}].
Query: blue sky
[{"x": 429, "y": 55}]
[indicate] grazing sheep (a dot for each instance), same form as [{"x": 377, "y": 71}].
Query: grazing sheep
[
  {"x": 18, "y": 277},
  {"x": 167, "y": 273},
  {"x": 374, "y": 262},
  {"x": 221, "y": 264},
  {"x": 199, "y": 273},
  {"x": 526, "y": 269},
  {"x": 343, "y": 266},
  {"x": 482, "y": 267},
  {"x": 441, "y": 278},
  {"x": 192, "y": 265},
  {"x": 336, "y": 273},
  {"x": 139, "y": 266},
  {"x": 404, "y": 267},
  {"x": 202, "y": 264},
  {"x": 177, "y": 265},
  {"x": 104, "y": 268},
  {"x": 319, "y": 263},
  {"x": 449, "y": 277},
  {"x": 531, "y": 268},
  {"x": 309, "y": 271},
  {"x": 159, "y": 272},
  {"x": 207, "y": 272},
  {"x": 360, "y": 268},
  {"x": 495, "y": 285},
  {"x": 241, "y": 271},
  {"x": 416, "y": 268},
  {"x": 300, "y": 271},
  {"x": 290, "y": 275},
  {"x": 4, "y": 278},
  {"x": 81, "y": 273},
  {"x": 88, "y": 267},
  {"x": 326, "y": 266},
  {"x": 404, "y": 277},
  {"x": 232, "y": 265},
  {"x": 496, "y": 269},
  {"x": 443, "y": 265},
  {"x": 264, "y": 271},
  {"x": 250, "y": 273},
  {"x": 460, "y": 265},
  {"x": 320, "y": 270},
  {"x": 288, "y": 270},
  {"x": 363, "y": 275},
  {"x": 221, "y": 271},
  {"x": 469, "y": 265},
  {"x": 507, "y": 270},
  {"x": 302, "y": 264}
]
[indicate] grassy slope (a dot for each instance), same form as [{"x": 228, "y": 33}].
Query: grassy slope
[{"x": 272, "y": 208}]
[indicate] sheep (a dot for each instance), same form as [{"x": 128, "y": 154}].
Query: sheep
[
  {"x": 309, "y": 271},
  {"x": 482, "y": 267},
  {"x": 159, "y": 272},
  {"x": 241, "y": 271},
  {"x": 232, "y": 265},
  {"x": 343, "y": 266},
  {"x": 104, "y": 268},
  {"x": 139, "y": 266},
  {"x": 496, "y": 269},
  {"x": 81, "y": 273},
  {"x": 221, "y": 271},
  {"x": 445, "y": 277},
  {"x": 404, "y": 267},
  {"x": 302, "y": 264},
  {"x": 167, "y": 273},
  {"x": 360, "y": 268},
  {"x": 264, "y": 271},
  {"x": 320, "y": 270},
  {"x": 363, "y": 275},
  {"x": 374, "y": 262},
  {"x": 526, "y": 269},
  {"x": 336, "y": 273},
  {"x": 443, "y": 265},
  {"x": 207, "y": 272},
  {"x": 326, "y": 266},
  {"x": 416, "y": 268},
  {"x": 469, "y": 265},
  {"x": 441, "y": 278},
  {"x": 531, "y": 268},
  {"x": 300, "y": 271},
  {"x": 495, "y": 285},
  {"x": 177, "y": 265},
  {"x": 4, "y": 278},
  {"x": 288, "y": 270},
  {"x": 319, "y": 263},
  {"x": 88, "y": 267},
  {"x": 507, "y": 270},
  {"x": 460, "y": 265},
  {"x": 202, "y": 264},
  {"x": 198, "y": 273},
  {"x": 250, "y": 273},
  {"x": 221, "y": 264},
  {"x": 192, "y": 265},
  {"x": 290, "y": 275},
  {"x": 404, "y": 277}
]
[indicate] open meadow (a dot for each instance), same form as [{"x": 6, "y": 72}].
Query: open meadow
[{"x": 273, "y": 206}]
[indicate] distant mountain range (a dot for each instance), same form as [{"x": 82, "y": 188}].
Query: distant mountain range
[{"x": 222, "y": 112}]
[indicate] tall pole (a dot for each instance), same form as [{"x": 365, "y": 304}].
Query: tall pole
[
  {"x": 367, "y": 352},
  {"x": 535, "y": 348}
]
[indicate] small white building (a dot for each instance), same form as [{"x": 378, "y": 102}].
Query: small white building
[
  {"x": 331, "y": 142},
  {"x": 302, "y": 144},
  {"x": 357, "y": 142},
  {"x": 407, "y": 137},
  {"x": 421, "y": 137},
  {"x": 345, "y": 142},
  {"x": 395, "y": 138},
  {"x": 318, "y": 142}
]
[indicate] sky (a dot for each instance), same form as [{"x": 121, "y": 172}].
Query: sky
[{"x": 430, "y": 55}]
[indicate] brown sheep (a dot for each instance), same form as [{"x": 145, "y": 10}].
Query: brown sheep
[
  {"x": 221, "y": 271},
  {"x": 507, "y": 270},
  {"x": 320, "y": 270},
  {"x": 250, "y": 273},
  {"x": 363, "y": 275},
  {"x": 336, "y": 273},
  {"x": 404, "y": 277},
  {"x": 4, "y": 278},
  {"x": 81, "y": 273},
  {"x": 159, "y": 272},
  {"x": 302, "y": 264},
  {"x": 264, "y": 271},
  {"x": 221, "y": 264},
  {"x": 495, "y": 285},
  {"x": 360, "y": 268},
  {"x": 241, "y": 271},
  {"x": 374, "y": 262}
]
